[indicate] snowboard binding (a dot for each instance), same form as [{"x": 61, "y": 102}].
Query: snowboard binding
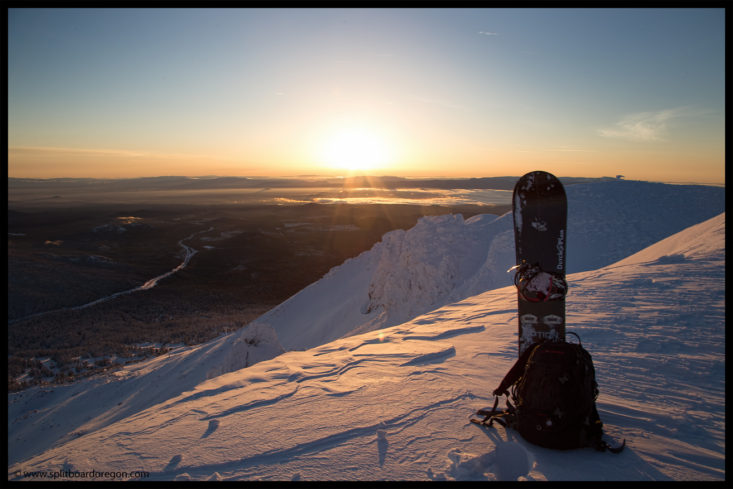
[{"x": 537, "y": 285}]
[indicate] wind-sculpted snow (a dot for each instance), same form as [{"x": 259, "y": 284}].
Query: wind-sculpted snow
[
  {"x": 87, "y": 405},
  {"x": 394, "y": 403},
  {"x": 421, "y": 268},
  {"x": 444, "y": 259},
  {"x": 610, "y": 221}
]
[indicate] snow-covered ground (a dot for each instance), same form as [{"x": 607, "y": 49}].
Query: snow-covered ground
[
  {"x": 445, "y": 259},
  {"x": 394, "y": 403}
]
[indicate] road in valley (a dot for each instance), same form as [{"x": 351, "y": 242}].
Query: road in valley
[{"x": 149, "y": 284}]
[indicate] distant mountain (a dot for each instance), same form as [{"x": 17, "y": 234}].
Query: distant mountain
[{"x": 224, "y": 182}]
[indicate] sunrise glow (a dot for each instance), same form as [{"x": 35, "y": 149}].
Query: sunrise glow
[
  {"x": 356, "y": 149},
  {"x": 112, "y": 93}
]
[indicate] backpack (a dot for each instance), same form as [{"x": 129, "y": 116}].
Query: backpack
[{"x": 553, "y": 398}]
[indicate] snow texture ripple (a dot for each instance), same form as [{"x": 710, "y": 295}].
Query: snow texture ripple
[{"x": 394, "y": 403}]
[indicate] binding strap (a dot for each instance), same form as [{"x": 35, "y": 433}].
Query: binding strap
[{"x": 557, "y": 286}]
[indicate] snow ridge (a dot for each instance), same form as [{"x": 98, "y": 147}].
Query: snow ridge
[
  {"x": 445, "y": 259},
  {"x": 394, "y": 403}
]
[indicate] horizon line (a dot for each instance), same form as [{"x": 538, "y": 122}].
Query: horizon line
[{"x": 355, "y": 176}]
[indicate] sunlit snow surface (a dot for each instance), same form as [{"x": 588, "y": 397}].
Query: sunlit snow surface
[
  {"x": 395, "y": 403},
  {"x": 444, "y": 259}
]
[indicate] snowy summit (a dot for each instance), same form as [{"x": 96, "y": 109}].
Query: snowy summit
[{"x": 374, "y": 371}]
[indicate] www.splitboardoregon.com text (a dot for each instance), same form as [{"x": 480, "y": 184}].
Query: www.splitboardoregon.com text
[{"x": 82, "y": 474}]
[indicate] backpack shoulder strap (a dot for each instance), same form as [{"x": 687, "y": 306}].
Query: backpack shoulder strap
[{"x": 516, "y": 371}]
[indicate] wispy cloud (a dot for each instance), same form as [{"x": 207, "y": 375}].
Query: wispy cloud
[
  {"x": 61, "y": 150},
  {"x": 645, "y": 126},
  {"x": 488, "y": 33},
  {"x": 101, "y": 152}
]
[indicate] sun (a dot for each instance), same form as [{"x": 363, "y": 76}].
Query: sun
[{"x": 356, "y": 149}]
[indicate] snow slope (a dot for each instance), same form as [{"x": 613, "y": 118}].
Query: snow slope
[
  {"x": 445, "y": 259},
  {"x": 42, "y": 416},
  {"x": 395, "y": 403}
]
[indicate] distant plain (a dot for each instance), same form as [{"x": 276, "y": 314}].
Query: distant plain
[{"x": 74, "y": 241}]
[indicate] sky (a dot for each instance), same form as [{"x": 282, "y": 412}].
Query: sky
[{"x": 113, "y": 93}]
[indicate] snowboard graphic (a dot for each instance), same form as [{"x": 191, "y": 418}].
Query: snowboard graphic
[{"x": 540, "y": 226}]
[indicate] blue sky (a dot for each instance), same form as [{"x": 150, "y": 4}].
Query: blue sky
[{"x": 440, "y": 92}]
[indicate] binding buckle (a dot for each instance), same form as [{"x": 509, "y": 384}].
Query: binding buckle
[{"x": 536, "y": 285}]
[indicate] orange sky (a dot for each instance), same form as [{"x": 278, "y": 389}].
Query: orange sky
[{"x": 423, "y": 92}]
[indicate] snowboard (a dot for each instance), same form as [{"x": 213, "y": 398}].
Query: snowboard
[{"x": 539, "y": 206}]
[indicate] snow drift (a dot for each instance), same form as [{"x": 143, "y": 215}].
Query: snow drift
[
  {"x": 72, "y": 410},
  {"x": 394, "y": 403},
  {"x": 446, "y": 258}
]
